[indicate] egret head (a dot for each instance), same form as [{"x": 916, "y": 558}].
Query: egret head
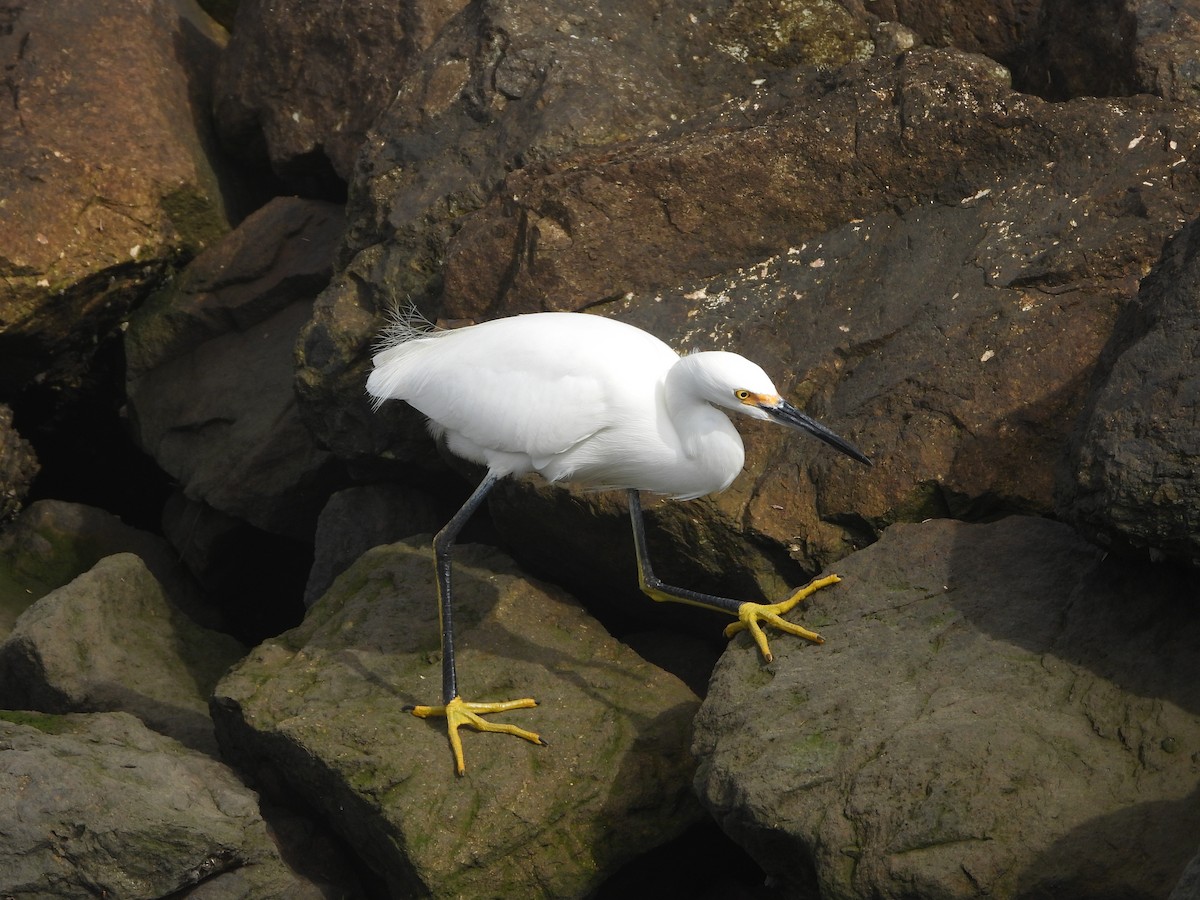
[{"x": 733, "y": 382}]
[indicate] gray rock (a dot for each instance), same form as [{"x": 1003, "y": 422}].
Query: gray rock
[
  {"x": 99, "y": 806},
  {"x": 53, "y": 542},
  {"x": 359, "y": 518},
  {"x": 110, "y": 640},
  {"x": 1188, "y": 886},
  {"x": 18, "y": 466},
  {"x": 104, "y": 171},
  {"x": 210, "y": 370},
  {"x": 318, "y": 714},
  {"x": 997, "y": 710},
  {"x": 1131, "y": 481}
]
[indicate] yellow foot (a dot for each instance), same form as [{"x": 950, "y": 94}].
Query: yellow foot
[
  {"x": 458, "y": 713},
  {"x": 750, "y": 614}
]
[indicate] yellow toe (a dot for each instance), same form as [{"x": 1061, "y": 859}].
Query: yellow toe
[
  {"x": 459, "y": 712},
  {"x": 751, "y": 614}
]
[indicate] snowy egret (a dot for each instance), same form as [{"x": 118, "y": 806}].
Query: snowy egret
[{"x": 582, "y": 399}]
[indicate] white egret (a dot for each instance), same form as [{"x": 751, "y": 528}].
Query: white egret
[{"x": 588, "y": 400}]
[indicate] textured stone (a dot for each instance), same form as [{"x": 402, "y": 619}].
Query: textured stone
[
  {"x": 318, "y": 714},
  {"x": 997, "y": 710}
]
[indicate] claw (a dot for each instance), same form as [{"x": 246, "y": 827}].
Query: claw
[
  {"x": 458, "y": 713},
  {"x": 750, "y": 614}
]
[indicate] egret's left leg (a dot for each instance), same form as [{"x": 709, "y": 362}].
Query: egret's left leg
[
  {"x": 749, "y": 615},
  {"x": 457, "y": 711}
]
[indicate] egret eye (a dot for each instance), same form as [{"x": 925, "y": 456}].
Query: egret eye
[{"x": 742, "y": 395}]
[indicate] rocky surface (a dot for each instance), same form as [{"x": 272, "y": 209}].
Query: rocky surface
[
  {"x": 53, "y": 542},
  {"x": 155, "y": 820},
  {"x": 106, "y": 170},
  {"x": 1131, "y": 476},
  {"x": 18, "y": 466},
  {"x": 962, "y": 234},
  {"x": 229, "y": 432},
  {"x": 111, "y": 640},
  {"x": 1024, "y": 711},
  {"x": 318, "y": 713}
]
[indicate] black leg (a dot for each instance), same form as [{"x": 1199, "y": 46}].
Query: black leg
[
  {"x": 443, "y": 544},
  {"x": 652, "y": 585},
  {"x": 748, "y": 615}
]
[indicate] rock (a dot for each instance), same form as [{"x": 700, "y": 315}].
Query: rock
[
  {"x": 997, "y": 710},
  {"x": 1165, "y": 49},
  {"x": 110, "y": 640},
  {"x": 104, "y": 170},
  {"x": 953, "y": 377},
  {"x": 503, "y": 85},
  {"x": 318, "y": 714},
  {"x": 97, "y": 805},
  {"x": 358, "y": 518},
  {"x": 18, "y": 466},
  {"x": 965, "y": 391},
  {"x": 302, "y": 80},
  {"x": 52, "y": 542},
  {"x": 1188, "y": 886},
  {"x": 1130, "y": 482},
  {"x": 210, "y": 370}
]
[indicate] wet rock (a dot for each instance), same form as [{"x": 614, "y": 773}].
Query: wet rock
[
  {"x": 18, "y": 466},
  {"x": 1131, "y": 481},
  {"x": 996, "y": 710},
  {"x": 110, "y": 640},
  {"x": 105, "y": 171},
  {"x": 302, "y": 81},
  {"x": 98, "y": 805},
  {"x": 52, "y": 542},
  {"x": 318, "y": 713},
  {"x": 210, "y": 370}
]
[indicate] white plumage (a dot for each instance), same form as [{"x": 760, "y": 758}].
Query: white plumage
[{"x": 577, "y": 398}]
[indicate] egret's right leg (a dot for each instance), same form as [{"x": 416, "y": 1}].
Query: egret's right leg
[
  {"x": 749, "y": 615},
  {"x": 457, "y": 711}
]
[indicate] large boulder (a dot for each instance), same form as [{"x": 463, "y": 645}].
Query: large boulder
[
  {"x": 105, "y": 171},
  {"x": 111, "y": 640},
  {"x": 210, "y": 370},
  {"x": 52, "y": 542},
  {"x": 98, "y": 805},
  {"x": 18, "y": 466},
  {"x": 302, "y": 80},
  {"x": 1131, "y": 481},
  {"x": 318, "y": 714},
  {"x": 997, "y": 710}
]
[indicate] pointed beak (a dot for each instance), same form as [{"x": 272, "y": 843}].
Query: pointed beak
[{"x": 786, "y": 414}]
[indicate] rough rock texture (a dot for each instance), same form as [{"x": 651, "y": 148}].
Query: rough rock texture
[
  {"x": 307, "y": 112},
  {"x": 210, "y": 369},
  {"x": 99, "y": 806},
  {"x": 996, "y": 222},
  {"x": 53, "y": 542},
  {"x": 1131, "y": 481},
  {"x": 504, "y": 85},
  {"x": 359, "y": 518},
  {"x": 927, "y": 328},
  {"x": 997, "y": 711},
  {"x": 318, "y": 714},
  {"x": 18, "y": 466},
  {"x": 111, "y": 640},
  {"x": 104, "y": 170}
]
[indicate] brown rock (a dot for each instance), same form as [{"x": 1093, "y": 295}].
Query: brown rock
[{"x": 104, "y": 169}]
